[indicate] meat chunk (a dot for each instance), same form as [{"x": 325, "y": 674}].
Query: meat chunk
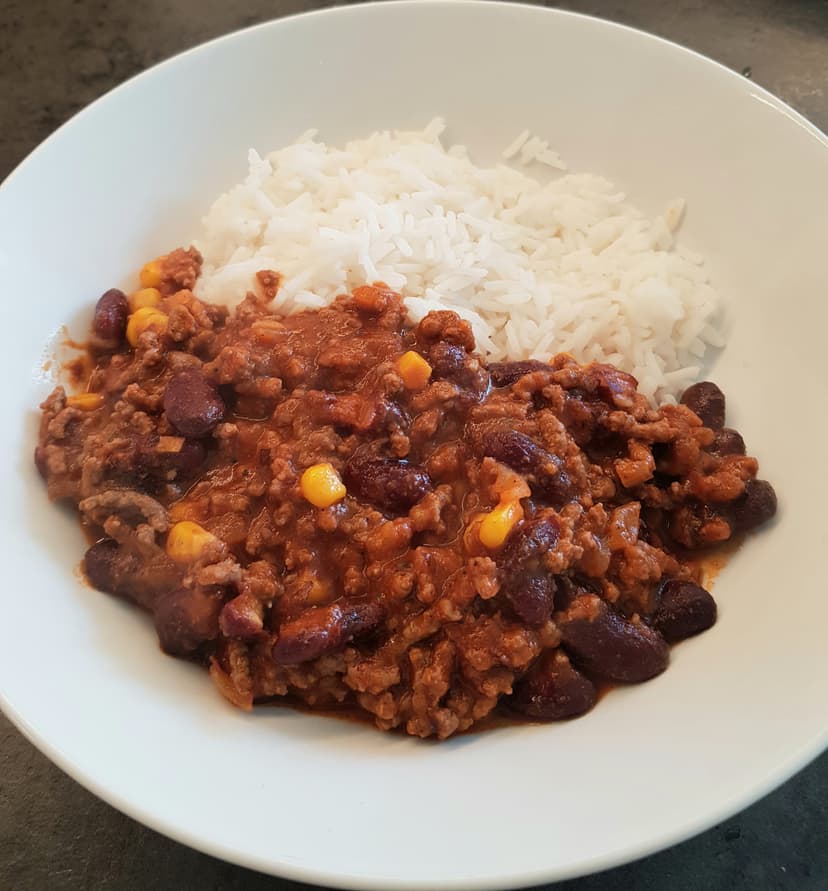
[
  {"x": 510, "y": 535},
  {"x": 180, "y": 270},
  {"x": 130, "y": 506},
  {"x": 323, "y": 630}
]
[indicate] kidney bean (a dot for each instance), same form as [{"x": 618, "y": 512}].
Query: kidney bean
[
  {"x": 682, "y": 610},
  {"x": 555, "y": 488},
  {"x": 707, "y": 401},
  {"x": 387, "y": 483},
  {"x": 504, "y": 374},
  {"x": 446, "y": 359},
  {"x": 515, "y": 450},
  {"x": 544, "y": 470},
  {"x": 553, "y": 689},
  {"x": 186, "y": 618},
  {"x": 452, "y": 362},
  {"x": 532, "y": 597},
  {"x": 192, "y": 403},
  {"x": 110, "y": 319},
  {"x": 613, "y": 385},
  {"x": 727, "y": 441},
  {"x": 528, "y": 543},
  {"x": 392, "y": 417},
  {"x": 527, "y": 585},
  {"x": 756, "y": 505},
  {"x": 612, "y": 647},
  {"x": 99, "y": 565},
  {"x": 324, "y": 629},
  {"x": 242, "y": 617}
]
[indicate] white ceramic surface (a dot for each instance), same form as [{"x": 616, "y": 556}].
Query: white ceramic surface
[{"x": 741, "y": 707}]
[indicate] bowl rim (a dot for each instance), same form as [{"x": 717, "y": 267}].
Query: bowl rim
[
  {"x": 760, "y": 92},
  {"x": 796, "y": 759}
]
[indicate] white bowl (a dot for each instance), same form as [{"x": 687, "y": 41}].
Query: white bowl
[{"x": 741, "y": 708}]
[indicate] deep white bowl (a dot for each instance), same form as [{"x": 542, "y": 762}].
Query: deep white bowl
[{"x": 741, "y": 707}]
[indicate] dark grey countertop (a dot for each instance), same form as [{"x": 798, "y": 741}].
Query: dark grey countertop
[{"x": 57, "y": 56}]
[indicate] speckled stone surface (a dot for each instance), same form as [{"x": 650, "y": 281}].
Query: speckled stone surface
[{"x": 56, "y": 57}]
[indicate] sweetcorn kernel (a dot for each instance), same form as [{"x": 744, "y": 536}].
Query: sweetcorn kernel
[
  {"x": 150, "y": 274},
  {"x": 186, "y": 540},
  {"x": 85, "y": 401},
  {"x": 144, "y": 297},
  {"x": 320, "y": 484},
  {"x": 143, "y": 319},
  {"x": 499, "y": 522},
  {"x": 414, "y": 370}
]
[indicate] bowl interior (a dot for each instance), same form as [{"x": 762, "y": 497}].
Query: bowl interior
[{"x": 339, "y": 803}]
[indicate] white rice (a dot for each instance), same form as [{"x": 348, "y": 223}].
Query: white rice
[{"x": 537, "y": 268}]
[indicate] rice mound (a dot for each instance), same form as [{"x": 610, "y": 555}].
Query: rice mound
[{"x": 537, "y": 268}]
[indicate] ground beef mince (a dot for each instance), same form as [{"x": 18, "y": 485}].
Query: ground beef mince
[{"x": 344, "y": 510}]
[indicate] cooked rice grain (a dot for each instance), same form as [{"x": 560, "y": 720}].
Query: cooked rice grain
[{"x": 566, "y": 265}]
